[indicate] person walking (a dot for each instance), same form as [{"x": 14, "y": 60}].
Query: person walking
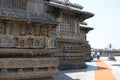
[
  {"x": 92, "y": 55},
  {"x": 98, "y": 55}
]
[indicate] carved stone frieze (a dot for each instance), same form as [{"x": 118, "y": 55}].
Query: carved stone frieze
[
  {"x": 24, "y": 15},
  {"x": 39, "y": 42},
  {"x": 6, "y": 41},
  {"x": 23, "y": 29},
  {"x": 13, "y": 14},
  {"x": 51, "y": 42},
  {"x": 30, "y": 42},
  {"x": 28, "y": 62},
  {"x": 21, "y": 42}
]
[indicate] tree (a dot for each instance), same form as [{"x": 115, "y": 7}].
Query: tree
[
  {"x": 111, "y": 56},
  {"x": 110, "y": 46}
]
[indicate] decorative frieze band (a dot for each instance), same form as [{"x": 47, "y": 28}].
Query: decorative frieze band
[{"x": 27, "y": 62}]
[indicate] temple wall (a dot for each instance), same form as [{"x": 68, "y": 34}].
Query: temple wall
[
  {"x": 71, "y": 41},
  {"x": 25, "y": 35},
  {"x": 27, "y": 62},
  {"x": 25, "y": 41},
  {"x": 67, "y": 32}
]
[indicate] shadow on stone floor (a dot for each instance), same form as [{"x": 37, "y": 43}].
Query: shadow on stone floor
[
  {"x": 62, "y": 74},
  {"x": 89, "y": 68},
  {"x": 101, "y": 68},
  {"x": 116, "y": 65},
  {"x": 64, "y": 77}
]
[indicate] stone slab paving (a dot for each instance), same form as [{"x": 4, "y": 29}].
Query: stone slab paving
[
  {"x": 80, "y": 74},
  {"x": 114, "y": 65},
  {"x": 89, "y": 73}
]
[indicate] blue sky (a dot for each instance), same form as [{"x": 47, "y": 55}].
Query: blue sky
[{"x": 106, "y": 22}]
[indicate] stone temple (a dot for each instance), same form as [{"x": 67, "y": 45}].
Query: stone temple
[
  {"x": 72, "y": 47},
  {"x": 37, "y": 36}
]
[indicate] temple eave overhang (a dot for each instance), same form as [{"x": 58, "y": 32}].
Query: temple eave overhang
[
  {"x": 86, "y": 28},
  {"x": 85, "y": 14}
]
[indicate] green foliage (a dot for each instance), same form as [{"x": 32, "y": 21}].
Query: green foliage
[{"x": 114, "y": 49}]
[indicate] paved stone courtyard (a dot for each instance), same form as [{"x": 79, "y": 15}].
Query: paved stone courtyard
[{"x": 89, "y": 73}]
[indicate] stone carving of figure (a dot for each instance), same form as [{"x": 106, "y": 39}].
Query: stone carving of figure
[
  {"x": 36, "y": 42},
  {"x": 22, "y": 43},
  {"x": 23, "y": 31},
  {"x": 30, "y": 42},
  {"x": 1, "y": 29},
  {"x": 30, "y": 29},
  {"x": 51, "y": 43},
  {"x": 30, "y": 32}
]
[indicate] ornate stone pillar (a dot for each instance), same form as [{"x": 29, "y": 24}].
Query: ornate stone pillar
[
  {"x": 7, "y": 29},
  {"x": 2, "y": 28},
  {"x": 15, "y": 29}
]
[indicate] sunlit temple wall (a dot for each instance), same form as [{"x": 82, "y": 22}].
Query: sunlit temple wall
[
  {"x": 26, "y": 40},
  {"x": 71, "y": 44}
]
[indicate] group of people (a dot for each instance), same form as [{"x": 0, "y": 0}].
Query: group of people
[
  {"x": 95, "y": 55},
  {"x": 98, "y": 54}
]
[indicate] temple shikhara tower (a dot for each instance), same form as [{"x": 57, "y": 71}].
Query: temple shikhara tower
[{"x": 37, "y": 36}]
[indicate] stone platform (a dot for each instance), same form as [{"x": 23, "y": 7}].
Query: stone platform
[{"x": 113, "y": 67}]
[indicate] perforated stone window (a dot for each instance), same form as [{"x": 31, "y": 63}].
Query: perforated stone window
[{"x": 67, "y": 25}]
